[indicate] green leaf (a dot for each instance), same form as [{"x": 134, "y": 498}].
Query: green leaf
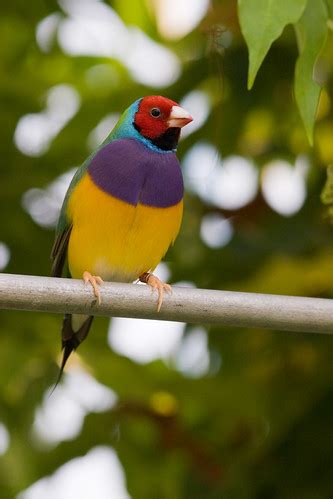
[
  {"x": 262, "y": 22},
  {"x": 311, "y": 31}
]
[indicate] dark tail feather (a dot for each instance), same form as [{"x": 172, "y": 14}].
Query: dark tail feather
[{"x": 71, "y": 340}]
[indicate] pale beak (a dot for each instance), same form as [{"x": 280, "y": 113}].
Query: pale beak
[{"x": 179, "y": 117}]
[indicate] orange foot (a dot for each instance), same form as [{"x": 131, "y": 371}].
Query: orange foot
[
  {"x": 95, "y": 281},
  {"x": 155, "y": 283}
]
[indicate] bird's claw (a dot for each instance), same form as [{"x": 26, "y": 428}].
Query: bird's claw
[
  {"x": 95, "y": 281},
  {"x": 155, "y": 283}
]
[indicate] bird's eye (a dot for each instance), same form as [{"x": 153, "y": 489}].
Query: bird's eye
[{"x": 155, "y": 112}]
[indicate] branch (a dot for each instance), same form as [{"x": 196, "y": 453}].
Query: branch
[{"x": 227, "y": 308}]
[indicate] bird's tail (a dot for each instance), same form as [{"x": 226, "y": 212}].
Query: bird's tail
[{"x": 75, "y": 329}]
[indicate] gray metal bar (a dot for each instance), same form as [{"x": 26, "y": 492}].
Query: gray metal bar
[{"x": 227, "y": 308}]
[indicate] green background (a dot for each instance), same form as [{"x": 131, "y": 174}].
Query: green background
[{"x": 258, "y": 422}]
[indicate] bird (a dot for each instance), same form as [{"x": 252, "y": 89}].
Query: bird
[{"x": 123, "y": 208}]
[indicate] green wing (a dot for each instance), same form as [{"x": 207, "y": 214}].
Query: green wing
[{"x": 64, "y": 227}]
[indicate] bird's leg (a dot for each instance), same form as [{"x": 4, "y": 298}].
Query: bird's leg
[
  {"x": 155, "y": 283},
  {"x": 95, "y": 281}
]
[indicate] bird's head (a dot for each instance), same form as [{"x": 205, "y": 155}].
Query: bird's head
[
  {"x": 160, "y": 120},
  {"x": 155, "y": 120}
]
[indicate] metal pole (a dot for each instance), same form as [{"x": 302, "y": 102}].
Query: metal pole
[{"x": 227, "y": 308}]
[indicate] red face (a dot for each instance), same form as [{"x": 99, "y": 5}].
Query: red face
[{"x": 157, "y": 114}]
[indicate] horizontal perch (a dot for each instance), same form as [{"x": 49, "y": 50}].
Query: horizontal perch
[{"x": 227, "y": 308}]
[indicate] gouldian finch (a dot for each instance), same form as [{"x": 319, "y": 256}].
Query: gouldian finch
[{"x": 123, "y": 208}]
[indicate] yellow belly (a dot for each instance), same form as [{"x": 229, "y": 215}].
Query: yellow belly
[{"x": 114, "y": 239}]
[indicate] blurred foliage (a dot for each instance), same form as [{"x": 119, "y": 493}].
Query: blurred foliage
[{"x": 258, "y": 424}]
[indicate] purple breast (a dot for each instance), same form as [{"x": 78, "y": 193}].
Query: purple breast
[{"x": 129, "y": 171}]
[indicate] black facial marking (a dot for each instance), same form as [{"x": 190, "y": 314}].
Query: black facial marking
[
  {"x": 168, "y": 140},
  {"x": 137, "y": 127}
]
